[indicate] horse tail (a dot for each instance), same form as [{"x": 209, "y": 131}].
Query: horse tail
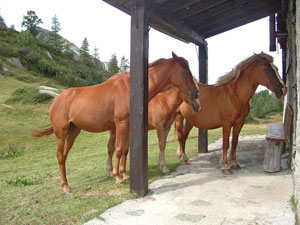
[{"x": 39, "y": 133}]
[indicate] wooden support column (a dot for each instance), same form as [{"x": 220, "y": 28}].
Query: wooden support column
[
  {"x": 203, "y": 68},
  {"x": 272, "y": 33},
  {"x": 139, "y": 99}
]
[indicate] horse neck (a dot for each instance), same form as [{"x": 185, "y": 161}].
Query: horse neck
[
  {"x": 173, "y": 98},
  {"x": 246, "y": 84},
  {"x": 157, "y": 80}
]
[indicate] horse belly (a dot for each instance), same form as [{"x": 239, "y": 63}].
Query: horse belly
[
  {"x": 203, "y": 119},
  {"x": 92, "y": 126},
  {"x": 92, "y": 120}
]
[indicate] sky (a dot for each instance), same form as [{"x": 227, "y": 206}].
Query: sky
[{"x": 108, "y": 29}]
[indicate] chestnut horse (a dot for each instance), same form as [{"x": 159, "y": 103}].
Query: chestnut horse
[
  {"x": 105, "y": 106},
  {"x": 226, "y": 104},
  {"x": 161, "y": 115}
]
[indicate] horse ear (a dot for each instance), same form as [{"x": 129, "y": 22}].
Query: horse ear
[{"x": 174, "y": 55}]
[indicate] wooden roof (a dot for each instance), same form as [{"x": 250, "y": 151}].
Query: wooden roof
[{"x": 195, "y": 20}]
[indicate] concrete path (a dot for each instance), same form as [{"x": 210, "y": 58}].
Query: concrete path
[{"x": 198, "y": 193}]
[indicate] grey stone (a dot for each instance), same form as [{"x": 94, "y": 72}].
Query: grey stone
[
  {"x": 190, "y": 218},
  {"x": 138, "y": 212},
  {"x": 200, "y": 203},
  {"x": 16, "y": 62}
]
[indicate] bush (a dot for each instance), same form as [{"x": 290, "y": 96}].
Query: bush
[
  {"x": 25, "y": 38},
  {"x": 28, "y": 95},
  {"x": 27, "y": 78}
]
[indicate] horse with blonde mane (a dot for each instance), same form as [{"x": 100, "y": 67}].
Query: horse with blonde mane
[
  {"x": 226, "y": 104},
  {"x": 105, "y": 106}
]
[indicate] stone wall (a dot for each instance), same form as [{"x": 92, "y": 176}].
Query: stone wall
[{"x": 293, "y": 84}]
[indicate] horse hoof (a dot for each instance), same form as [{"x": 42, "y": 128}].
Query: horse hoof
[
  {"x": 119, "y": 182},
  {"x": 69, "y": 191},
  {"x": 236, "y": 167},
  {"x": 166, "y": 173},
  {"x": 126, "y": 178},
  {"x": 226, "y": 172},
  {"x": 184, "y": 162}
]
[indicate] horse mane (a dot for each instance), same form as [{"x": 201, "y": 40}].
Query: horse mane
[
  {"x": 158, "y": 62},
  {"x": 236, "y": 72}
]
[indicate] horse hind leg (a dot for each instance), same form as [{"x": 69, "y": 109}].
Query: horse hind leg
[
  {"x": 122, "y": 146},
  {"x": 110, "y": 151},
  {"x": 226, "y": 170},
  {"x": 182, "y": 134},
  {"x": 162, "y": 134},
  {"x": 65, "y": 140}
]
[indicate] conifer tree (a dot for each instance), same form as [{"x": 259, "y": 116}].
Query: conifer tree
[
  {"x": 112, "y": 66},
  {"x": 31, "y": 21},
  {"x": 84, "y": 50},
  {"x": 124, "y": 65},
  {"x": 2, "y": 22},
  {"x": 55, "y": 38}
]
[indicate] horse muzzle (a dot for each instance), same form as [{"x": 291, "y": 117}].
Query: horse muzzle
[{"x": 280, "y": 92}]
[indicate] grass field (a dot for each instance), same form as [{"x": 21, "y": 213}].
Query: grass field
[{"x": 30, "y": 191}]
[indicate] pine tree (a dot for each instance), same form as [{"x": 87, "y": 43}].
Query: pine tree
[
  {"x": 124, "y": 65},
  {"x": 112, "y": 66},
  {"x": 85, "y": 57},
  {"x": 2, "y": 22},
  {"x": 55, "y": 38},
  {"x": 96, "y": 53},
  {"x": 84, "y": 50},
  {"x": 31, "y": 21}
]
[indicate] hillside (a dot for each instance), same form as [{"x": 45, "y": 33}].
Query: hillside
[{"x": 39, "y": 58}]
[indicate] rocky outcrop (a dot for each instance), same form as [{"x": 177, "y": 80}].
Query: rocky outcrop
[
  {"x": 16, "y": 62},
  {"x": 49, "y": 90},
  {"x": 43, "y": 34}
]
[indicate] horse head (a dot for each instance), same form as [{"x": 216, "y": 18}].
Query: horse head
[
  {"x": 184, "y": 80},
  {"x": 271, "y": 78}
]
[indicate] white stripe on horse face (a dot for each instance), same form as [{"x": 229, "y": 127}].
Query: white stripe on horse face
[{"x": 277, "y": 73}]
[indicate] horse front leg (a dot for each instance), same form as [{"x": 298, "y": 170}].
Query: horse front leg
[
  {"x": 110, "y": 151},
  {"x": 182, "y": 135},
  {"x": 237, "y": 127},
  {"x": 226, "y": 133},
  {"x": 235, "y": 136}
]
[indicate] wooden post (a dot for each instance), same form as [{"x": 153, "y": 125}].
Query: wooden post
[
  {"x": 272, "y": 157},
  {"x": 203, "y": 68},
  {"x": 139, "y": 99},
  {"x": 272, "y": 33}
]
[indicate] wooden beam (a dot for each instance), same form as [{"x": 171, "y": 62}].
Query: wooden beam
[
  {"x": 272, "y": 33},
  {"x": 203, "y": 73},
  {"x": 223, "y": 26},
  {"x": 235, "y": 14},
  {"x": 119, "y": 5},
  {"x": 204, "y": 7},
  {"x": 139, "y": 99},
  {"x": 165, "y": 22}
]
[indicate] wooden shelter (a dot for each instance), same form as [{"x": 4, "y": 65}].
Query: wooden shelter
[{"x": 189, "y": 21}]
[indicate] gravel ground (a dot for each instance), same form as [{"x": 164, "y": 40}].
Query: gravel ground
[{"x": 198, "y": 193}]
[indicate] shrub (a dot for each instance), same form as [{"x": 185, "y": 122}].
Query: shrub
[
  {"x": 11, "y": 151},
  {"x": 25, "y": 38},
  {"x": 27, "y": 78},
  {"x": 23, "y": 181},
  {"x": 28, "y": 95}
]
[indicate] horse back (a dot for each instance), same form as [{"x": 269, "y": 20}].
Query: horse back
[{"x": 93, "y": 108}]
